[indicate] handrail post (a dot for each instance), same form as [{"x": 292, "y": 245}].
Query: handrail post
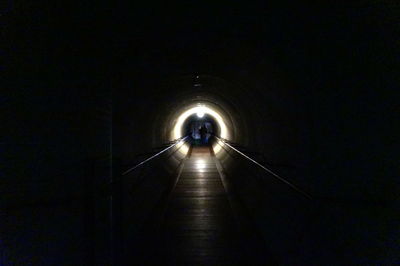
[
  {"x": 117, "y": 213},
  {"x": 89, "y": 213}
]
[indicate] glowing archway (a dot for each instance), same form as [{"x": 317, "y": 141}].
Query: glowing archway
[
  {"x": 203, "y": 109},
  {"x": 177, "y": 131}
]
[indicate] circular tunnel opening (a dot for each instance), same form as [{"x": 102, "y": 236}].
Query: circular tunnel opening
[
  {"x": 202, "y": 115},
  {"x": 208, "y": 102},
  {"x": 200, "y": 128},
  {"x": 190, "y": 119}
]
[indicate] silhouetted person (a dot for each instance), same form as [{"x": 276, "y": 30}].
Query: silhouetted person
[{"x": 203, "y": 134}]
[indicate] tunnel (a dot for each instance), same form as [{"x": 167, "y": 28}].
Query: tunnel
[
  {"x": 196, "y": 134},
  {"x": 236, "y": 121}
]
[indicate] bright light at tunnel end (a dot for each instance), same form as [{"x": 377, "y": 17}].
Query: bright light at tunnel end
[
  {"x": 200, "y": 114},
  {"x": 200, "y": 110}
]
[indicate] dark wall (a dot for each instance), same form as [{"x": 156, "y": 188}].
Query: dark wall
[{"x": 56, "y": 115}]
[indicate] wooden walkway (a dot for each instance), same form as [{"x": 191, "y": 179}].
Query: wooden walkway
[{"x": 199, "y": 227}]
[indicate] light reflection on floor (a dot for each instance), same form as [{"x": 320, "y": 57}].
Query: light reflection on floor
[
  {"x": 200, "y": 165},
  {"x": 200, "y": 222}
]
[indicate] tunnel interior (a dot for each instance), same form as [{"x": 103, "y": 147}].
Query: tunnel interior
[
  {"x": 193, "y": 124},
  {"x": 306, "y": 91}
]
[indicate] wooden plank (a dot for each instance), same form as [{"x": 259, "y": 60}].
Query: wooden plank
[{"x": 199, "y": 226}]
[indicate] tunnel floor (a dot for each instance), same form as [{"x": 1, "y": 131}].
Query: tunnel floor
[{"x": 200, "y": 226}]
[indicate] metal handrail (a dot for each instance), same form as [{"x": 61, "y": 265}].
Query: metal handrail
[
  {"x": 175, "y": 142},
  {"x": 245, "y": 150},
  {"x": 265, "y": 168}
]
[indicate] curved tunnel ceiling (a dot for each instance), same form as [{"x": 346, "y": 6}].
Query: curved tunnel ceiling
[{"x": 208, "y": 100}]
